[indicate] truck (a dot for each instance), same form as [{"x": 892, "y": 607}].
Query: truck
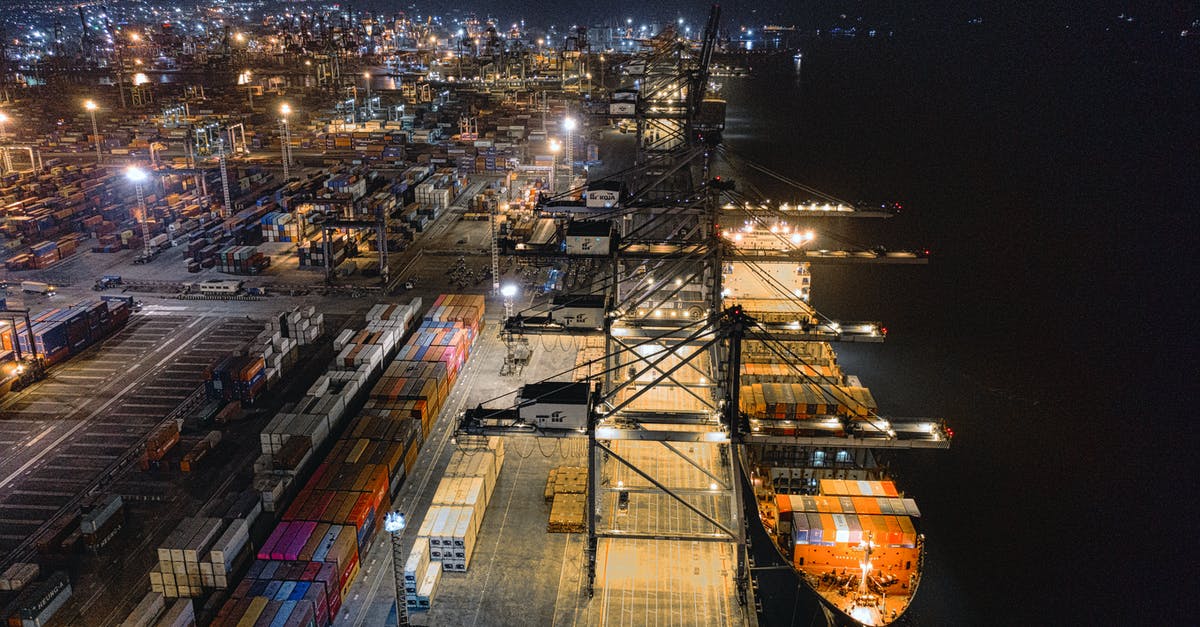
[
  {"x": 107, "y": 281},
  {"x": 36, "y": 287}
]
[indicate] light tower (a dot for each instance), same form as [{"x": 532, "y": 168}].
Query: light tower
[
  {"x": 394, "y": 524},
  {"x": 91, "y": 107},
  {"x": 285, "y": 140},
  {"x": 569, "y": 127},
  {"x": 367, "y": 80},
  {"x": 554, "y": 148},
  {"x": 508, "y": 291},
  {"x": 7, "y": 157},
  {"x": 137, "y": 176}
]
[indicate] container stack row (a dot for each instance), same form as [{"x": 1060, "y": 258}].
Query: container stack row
[
  {"x": 824, "y": 541},
  {"x": 301, "y": 324},
  {"x": 36, "y": 605},
  {"x": 19, "y": 575},
  {"x": 237, "y": 378},
  {"x": 241, "y": 260},
  {"x": 447, "y": 535},
  {"x": 100, "y": 523},
  {"x": 278, "y": 226},
  {"x": 311, "y": 557},
  {"x": 801, "y": 401},
  {"x": 202, "y": 553},
  {"x": 290, "y": 438},
  {"x": 155, "y": 611}
]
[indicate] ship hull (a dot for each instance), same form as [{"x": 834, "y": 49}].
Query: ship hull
[{"x": 814, "y": 594}]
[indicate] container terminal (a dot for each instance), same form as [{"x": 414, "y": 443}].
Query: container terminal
[{"x": 359, "y": 319}]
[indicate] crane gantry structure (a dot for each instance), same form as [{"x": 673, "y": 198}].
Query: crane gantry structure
[{"x": 678, "y": 299}]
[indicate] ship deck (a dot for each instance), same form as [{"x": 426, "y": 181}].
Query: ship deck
[{"x": 837, "y": 593}]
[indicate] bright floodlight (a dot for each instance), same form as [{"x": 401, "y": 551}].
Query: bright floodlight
[
  {"x": 508, "y": 290},
  {"x": 90, "y": 105},
  {"x": 136, "y": 174},
  {"x": 3, "y": 117},
  {"x": 393, "y": 522},
  {"x": 569, "y": 124},
  {"x": 367, "y": 75},
  {"x": 285, "y": 109}
]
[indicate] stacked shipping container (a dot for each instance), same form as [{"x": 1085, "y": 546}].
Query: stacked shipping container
[
  {"x": 61, "y": 333},
  {"x": 311, "y": 558},
  {"x": 202, "y": 552}
]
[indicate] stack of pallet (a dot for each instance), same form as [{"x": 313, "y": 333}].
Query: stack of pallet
[
  {"x": 566, "y": 480},
  {"x": 588, "y": 359},
  {"x": 566, "y": 514},
  {"x": 566, "y": 491}
]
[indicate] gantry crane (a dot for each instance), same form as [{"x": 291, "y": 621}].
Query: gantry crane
[{"x": 676, "y": 332}]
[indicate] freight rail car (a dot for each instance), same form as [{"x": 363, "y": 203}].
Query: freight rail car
[{"x": 58, "y": 334}]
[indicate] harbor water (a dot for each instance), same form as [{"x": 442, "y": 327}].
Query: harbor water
[{"x": 1052, "y": 185}]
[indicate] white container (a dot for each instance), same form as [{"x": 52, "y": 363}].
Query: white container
[
  {"x": 415, "y": 567},
  {"x": 429, "y": 583},
  {"x": 439, "y": 540},
  {"x": 226, "y": 549},
  {"x": 180, "y": 614},
  {"x": 463, "y": 492}
]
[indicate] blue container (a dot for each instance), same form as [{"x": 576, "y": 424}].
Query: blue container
[
  {"x": 299, "y": 591},
  {"x": 257, "y": 589},
  {"x": 284, "y": 613},
  {"x": 285, "y": 591}
]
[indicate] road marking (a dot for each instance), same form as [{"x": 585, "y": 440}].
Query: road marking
[{"x": 40, "y": 436}]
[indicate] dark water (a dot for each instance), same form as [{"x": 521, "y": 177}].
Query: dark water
[{"x": 1056, "y": 185}]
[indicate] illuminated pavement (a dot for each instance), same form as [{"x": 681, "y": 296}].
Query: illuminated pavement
[{"x": 520, "y": 573}]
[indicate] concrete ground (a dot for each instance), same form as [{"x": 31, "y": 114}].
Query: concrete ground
[
  {"x": 62, "y": 433},
  {"x": 66, "y": 430},
  {"x": 522, "y": 575}
]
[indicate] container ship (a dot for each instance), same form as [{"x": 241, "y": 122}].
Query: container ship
[{"x": 833, "y": 511}]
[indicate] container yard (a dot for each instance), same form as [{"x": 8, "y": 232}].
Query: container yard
[{"x": 287, "y": 290}]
